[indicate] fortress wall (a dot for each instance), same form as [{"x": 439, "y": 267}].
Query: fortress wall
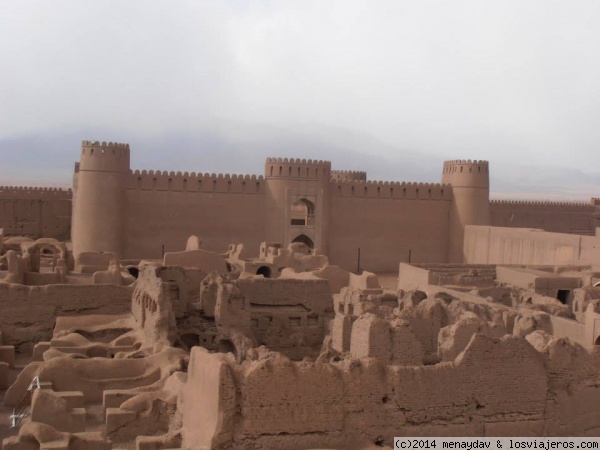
[
  {"x": 166, "y": 208},
  {"x": 386, "y": 220},
  {"x": 495, "y": 387},
  {"x": 29, "y": 312},
  {"x": 196, "y": 182},
  {"x": 497, "y": 245},
  {"x": 559, "y": 217},
  {"x": 36, "y": 212}
]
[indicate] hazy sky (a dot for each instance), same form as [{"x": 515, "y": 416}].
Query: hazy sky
[{"x": 500, "y": 80}]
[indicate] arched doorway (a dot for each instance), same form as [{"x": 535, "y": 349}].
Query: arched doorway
[
  {"x": 304, "y": 239},
  {"x": 265, "y": 271},
  {"x": 302, "y": 213}
]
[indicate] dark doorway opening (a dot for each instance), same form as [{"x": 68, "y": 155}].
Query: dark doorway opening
[
  {"x": 304, "y": 239},
  {"x": 563, "y": 296},
  {"x": 190, "y": 340},
  {"x": 597, "y": 341},
  {"x": 226, "y": 346},
  {"x": 264, "y": 271}
]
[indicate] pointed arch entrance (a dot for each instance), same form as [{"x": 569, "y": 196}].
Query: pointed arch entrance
[{"x": 304, "y": 239}]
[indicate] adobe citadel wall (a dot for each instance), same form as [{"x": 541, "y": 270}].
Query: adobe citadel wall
[
  {"x": 498, "y": 245},
  {"x": 165, "y": 208},
  {"x": 35, "y": 212},
  {"x": 141, "y": 214},
  {"x": 386, "y": 221},
  {"x": 559, "y": 217}
]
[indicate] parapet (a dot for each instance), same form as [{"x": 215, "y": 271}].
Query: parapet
[
  {"x": 35, "y": 193},
  {"x": 466, "y": 173},
  {"x": 195, "y": 182},
  {"x": 104, "y": 157},
  {"x": 348, "y": 175},
  {"x": 297, "y": 168},
  {"x": 387, "y": 189},
  {"x": 466, "y": 166},
  {"x": 529, "y": 204}
]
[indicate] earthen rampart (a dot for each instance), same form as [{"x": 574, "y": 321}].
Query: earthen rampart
[
  {"x": 561, "y": 217},
  {"x": 36, "y": 211},
  {"x": 524, "y": 204},
  {"x": 390, "y": 189},
  {"x": 196, "y": 182},
  {"x": 35, "y": 193}
]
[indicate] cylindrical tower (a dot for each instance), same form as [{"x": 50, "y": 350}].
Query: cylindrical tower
[
  {"x": 470, "y": 182},
  {"x": 99, "y": 198},
  {"x": 297, "y": 201}
]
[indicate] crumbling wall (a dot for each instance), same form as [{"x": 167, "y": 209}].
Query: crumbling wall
[
  {"x": 314, "y": 294},
  {"x": 288, "y": 315},
  {"x": 152, "y": 306},
  {"x": 496, "y": 384},
  {"x": 28, "y": 312}
]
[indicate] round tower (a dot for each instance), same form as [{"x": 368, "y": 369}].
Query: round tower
[
  {"x": 297, "y": 201},
  {"x": 99, "y": 198},
  {"x": 470, "y": 182}
]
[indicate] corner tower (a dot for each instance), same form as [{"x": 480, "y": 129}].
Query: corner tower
[
  {"x": 470, "y": 182},
  {"x": 99, "y": 197},
  {"x": 297, "y": 202}
]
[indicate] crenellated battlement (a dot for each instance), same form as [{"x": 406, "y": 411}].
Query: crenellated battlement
[
  {"x": 391, "y": 189},
  {"x": 466, "y": 173},
  {"x": 348, "y": 175},
  {"x": 104, "y": 156},
  {"x": 458, "y": 166},
  {"x": 297, "y": 168},
  {"x": 35, "y": 192},
  {"x": 595, "y": 201},
  {"x": 195, "y": 182},
  {"x": 542, "y": 204},
  {"x": 272, "y": 160}
]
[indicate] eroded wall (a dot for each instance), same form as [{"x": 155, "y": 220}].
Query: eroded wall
[
  {"x": 497, "y": 387},
  {"x": 29, "y": 312}
]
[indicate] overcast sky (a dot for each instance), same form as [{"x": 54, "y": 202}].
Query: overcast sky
[{"x": 509, "y": 81}]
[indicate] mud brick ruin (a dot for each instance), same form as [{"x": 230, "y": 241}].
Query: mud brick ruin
[{"x": 306, "y": 308}]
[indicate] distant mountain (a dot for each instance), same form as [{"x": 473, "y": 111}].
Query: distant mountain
[{"x": 237, "y": 147}]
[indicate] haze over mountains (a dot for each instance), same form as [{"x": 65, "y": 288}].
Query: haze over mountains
[{"x": 47, "y": 158}]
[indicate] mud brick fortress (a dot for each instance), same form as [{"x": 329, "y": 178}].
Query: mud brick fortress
[
  {"x": 136, "y": 314},
  {"x": 359, "y": 224}
]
